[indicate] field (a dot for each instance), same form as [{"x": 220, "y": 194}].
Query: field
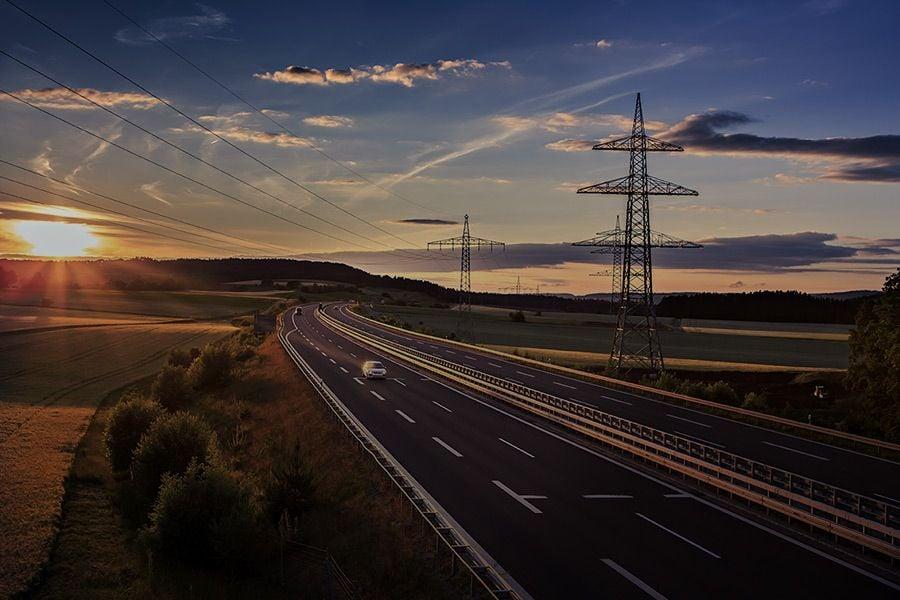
[
  {"x": 188, "y": 304},
  {"x": 717, "y": 345},
  {"x": 55, "y": 367}
]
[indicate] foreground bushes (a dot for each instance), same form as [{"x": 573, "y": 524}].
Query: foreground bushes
[
  {"x": 172, "y": 387},
  {"x": 718, "y": 391},
  {"x": 169, "y": 446},
  {"x": 206, "y": 517},
  {"x": 127, "y": 423},
  {"x": 213, "y": 368}
]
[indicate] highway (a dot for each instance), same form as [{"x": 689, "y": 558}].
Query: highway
[
  {"x": 561, "y": 519},
  {"x": 872, "y": 476}
]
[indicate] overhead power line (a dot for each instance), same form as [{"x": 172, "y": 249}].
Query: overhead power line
[
  {"x": 266, "y": 116},
  {"x": 243, "y": 241},
  {"x": 199, "y": 124}
]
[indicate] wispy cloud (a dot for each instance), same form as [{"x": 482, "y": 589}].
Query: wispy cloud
[
  {"x": 331, "y": 121},
  {"x": 63, "y": 99},
  {"x": 151, "y": 190},
  {"x": 206, "y": 24},
  {"x": 244, "y": 134},
  {"x": 404, "y": 74}
]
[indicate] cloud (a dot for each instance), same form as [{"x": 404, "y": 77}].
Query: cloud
[
  {"x": 570, "y": 145},
  {"x": 152, "y": 190},
  {"x": 404, "y": 74},
  {"x": 63, "y": 99},
  {"x": 198, "y": 26},
  {"x": 604, "y": 44},
  {"x": 243, "y": 134},
  {"x": 329, "y": 121},
  {"x": 814, "y": 83},
  {"x": 770, "y": 253},
  {"x": 425, "y": 222},
  {"x": 870, "y": 159},
  {"x": 337, "y": 182},
  {"x": 41, "y": 163},
  {"x": 711, "y": 208}
]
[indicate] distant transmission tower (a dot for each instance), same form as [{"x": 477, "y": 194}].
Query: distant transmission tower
[
  {"x": 636, "y": 341},
  {"x": 465, "y": 243}
]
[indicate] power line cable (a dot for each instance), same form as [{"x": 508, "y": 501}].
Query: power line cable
[{"x": 199, "y": 124}]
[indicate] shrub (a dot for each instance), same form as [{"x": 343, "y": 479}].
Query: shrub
[
  {"x": 181, "y": 357},
  {"x": 172, "y": 387},
  {"x": 755, "y": 401},
  {"x": 289, "y": 487},
  {"x": 206, "y": 516},
  {"x": 517, "y": 316},
  {"x": 169, "y": 446},
  {"x": 127, "y": 422},
  {"x": 213, "y": 368},
  {"x": 723, "y": 393}
]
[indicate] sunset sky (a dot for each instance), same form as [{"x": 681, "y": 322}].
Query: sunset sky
[{"x": 787, "y": 112}]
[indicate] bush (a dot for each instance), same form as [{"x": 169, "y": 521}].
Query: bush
[
  {"x": 517, "y": 316},
  {"x": 213, "y": 368},
  {"x": 183, "y": 358},
  {"x": 754, "y": 401},
  {"x": 172, "y": 387},
  {"x": 127, "y": 422},
  {"x": 169, "y": 446},
  {"x": 723, "y": 393},
  {"x": 289, "y": 487},
  {"x": 205, "y": 517}
]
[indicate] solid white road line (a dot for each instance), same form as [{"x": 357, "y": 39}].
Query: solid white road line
[
  {"x": 565, "y": 385},
  {"x": 525, "y": 374},
  {"x": 606, "y": 496},
  {"x": 678, "y": 535},
  {"x": 377, "y": 395},
  {"x": 698, "y": 423},
  {"x": 441, "y": 405},
  {"x": 617, "y": 400},
  {"x": 523, "y": 500},
  {"x": 495, "y": 365},
  {"x": 447, "y": 447},
  {"x": 358, "y": 380},
  {"x": 405, "y": 416},
  {"x": 698, "y": 439},
  {"x": 816, "y": 456},
  {"x": 529, "y": 454},
  {"x": 343, "y": 369},
  {"x": 633, "y": 579}
]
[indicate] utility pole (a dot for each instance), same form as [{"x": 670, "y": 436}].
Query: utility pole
[
  {"x": 636, "y": 341},
  {"x": 465, "y": 243}
]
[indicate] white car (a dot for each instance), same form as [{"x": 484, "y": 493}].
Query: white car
[{"x": 372, "y": 369}]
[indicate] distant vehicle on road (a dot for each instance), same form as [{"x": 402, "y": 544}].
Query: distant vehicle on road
[{"x": 372, "y": 369}]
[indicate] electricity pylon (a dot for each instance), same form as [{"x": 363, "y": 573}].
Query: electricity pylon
[
  {"x": 518, "y": 289},
  {"x": 465, "y": 243},
  {"x": 636, "y": 341}
]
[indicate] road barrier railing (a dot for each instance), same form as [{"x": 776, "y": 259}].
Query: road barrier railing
[
  {"x": 463, "y": 550},
  {"x": 866, "y": 521},
  {"x": 877, "y": 447}
]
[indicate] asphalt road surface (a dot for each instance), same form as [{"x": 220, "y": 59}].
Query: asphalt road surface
[{"x": 562, "y": 520}]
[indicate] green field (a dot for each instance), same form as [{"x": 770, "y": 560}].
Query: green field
[
  {"x": 55, "y": 367},
  {"x": 801, "y": 346},
  {"x": 190, "y": 304}
]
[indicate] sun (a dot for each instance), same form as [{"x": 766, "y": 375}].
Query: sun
[{"x": 56, "y": 238}]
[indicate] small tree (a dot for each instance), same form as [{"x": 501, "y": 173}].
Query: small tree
[
  {"x": 182, "y": 358},
  {"x": 126, "y": 424},
  {"x": 213, "y": 368},
  {"x": 172, "y": 387},
  {"x": 169, "y": 446}
]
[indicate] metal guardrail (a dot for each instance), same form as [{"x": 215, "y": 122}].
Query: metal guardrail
[
  {"x": 879, "y": 447},
  {"x": 461, "y": 550},
  {"x": 861, "y": 519}
]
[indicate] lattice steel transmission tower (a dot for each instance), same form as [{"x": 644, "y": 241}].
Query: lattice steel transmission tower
[
  {"x": 636, "y": 341},
  {"x": 518, "y": 289},
  {"x": 465, "y": 243}
]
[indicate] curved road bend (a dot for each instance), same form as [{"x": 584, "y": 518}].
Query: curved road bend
[{"x": 561, "y": 519}]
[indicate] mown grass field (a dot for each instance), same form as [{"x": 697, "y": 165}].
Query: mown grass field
[
  {"x": 187, "y": 304},
  {"x": 52, "y": 380},
  {"x": 740, "y": 345}
]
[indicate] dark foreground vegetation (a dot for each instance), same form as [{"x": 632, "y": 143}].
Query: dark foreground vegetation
[
  {"x": 145, "y": 274},
  {"x": 224, "y": 476}
]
